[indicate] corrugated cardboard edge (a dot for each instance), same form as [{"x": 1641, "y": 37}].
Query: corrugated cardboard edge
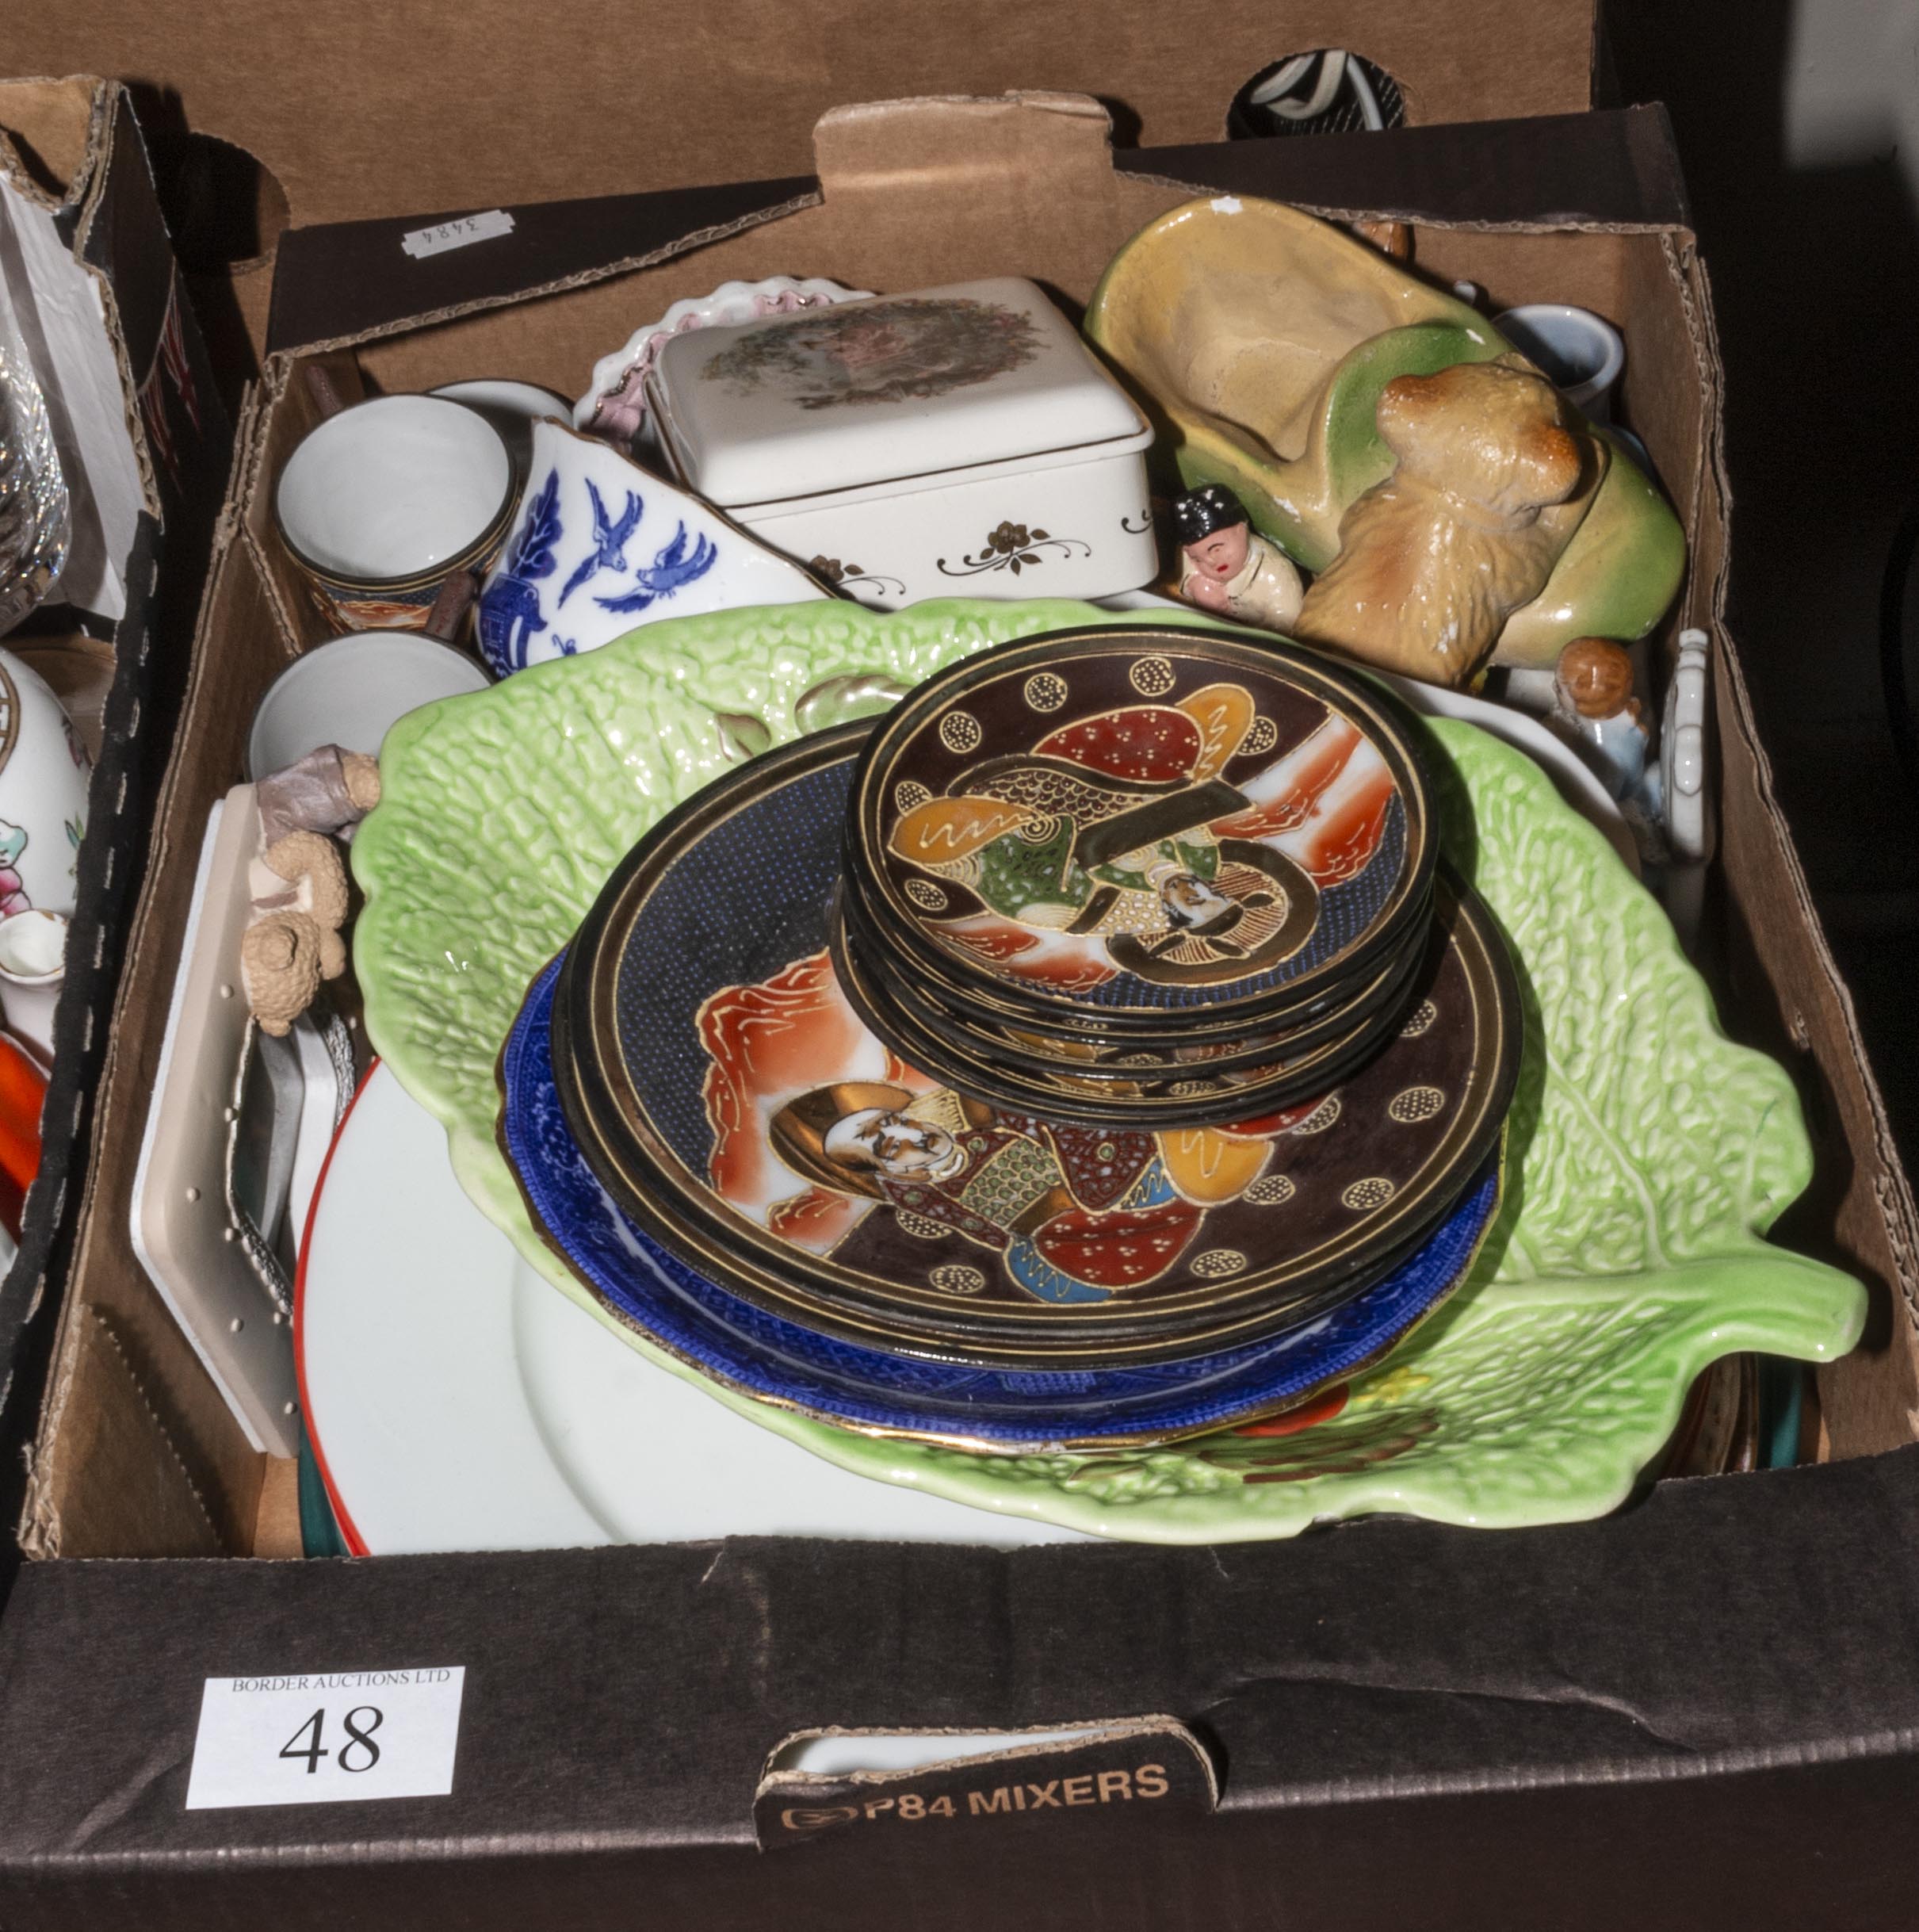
[
  {"x": 1898, "y": 1209},
  {"x": 939, "y": 141},
  {"x": 91, "y": 167},
  {"x": 236, "y": 522},
  {"x": 132, "y": 1436},
  {"x": 627, "y": 265},
  {"x": 702, "y": 238},
  {"x": 118, "y": 103}
]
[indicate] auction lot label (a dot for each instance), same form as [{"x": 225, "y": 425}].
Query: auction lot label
[{"x": 322, "y": 1737}]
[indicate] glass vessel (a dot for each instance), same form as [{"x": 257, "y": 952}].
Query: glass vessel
[{"x": 35, "y": 523}]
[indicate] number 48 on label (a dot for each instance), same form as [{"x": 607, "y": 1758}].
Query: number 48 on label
[
  {"x": 369, "y": 1715},
  {"x": 323, "y": 1738}
]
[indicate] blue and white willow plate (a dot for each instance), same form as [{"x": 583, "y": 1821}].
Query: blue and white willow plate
[{"x": 777, "y": 1361}]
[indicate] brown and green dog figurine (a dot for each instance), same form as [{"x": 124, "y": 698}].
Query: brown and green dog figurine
[{"x": 1494, "y": 474}]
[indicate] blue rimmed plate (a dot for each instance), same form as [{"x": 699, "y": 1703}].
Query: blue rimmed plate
[{"x": 747, "y": 1349}]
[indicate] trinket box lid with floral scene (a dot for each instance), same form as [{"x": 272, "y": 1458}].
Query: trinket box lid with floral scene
[{"x": 880, "y": 391}]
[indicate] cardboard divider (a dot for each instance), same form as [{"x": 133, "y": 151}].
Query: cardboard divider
[
  {"x": 917, "y": 193},
  {"x": 907, "y": 201},
  {"x": 79, "y": 1502},
  {"x": 135, "y": 1455},
  {"x": 346, "y": 282},
  {"x": 53, "y": 132},
  {"x": 294, "y": 410},
  {"x": 72, "y": 153}
]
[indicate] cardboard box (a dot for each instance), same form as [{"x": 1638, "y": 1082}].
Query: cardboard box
[
  {"x": 1703, "y": 1707},
  {"x": 85, "y": 249},
  {"x": 401, "y": 110}
]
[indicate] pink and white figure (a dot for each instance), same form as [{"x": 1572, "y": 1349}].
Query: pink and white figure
[{"x": 615, "y": 407}]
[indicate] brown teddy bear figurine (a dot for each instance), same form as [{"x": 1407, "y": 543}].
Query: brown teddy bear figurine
[
  {"x": 299, "y": 882},
  {"x": 281, "y": 967},
  {"x": 1494, "y": 475},
  {"x": 298, "y": 886},
  {"x": 294, "y": 942}
]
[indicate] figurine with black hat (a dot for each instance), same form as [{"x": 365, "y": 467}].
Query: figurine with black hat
[{"x": 1227, "y": 566}]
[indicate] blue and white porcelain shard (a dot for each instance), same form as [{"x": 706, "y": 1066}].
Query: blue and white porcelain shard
[
  {"x": 598, "y": 546},
  {"x": 868, "y": 1389}
]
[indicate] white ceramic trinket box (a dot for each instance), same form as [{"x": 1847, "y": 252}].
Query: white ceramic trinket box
[{"x": 955, "y": 440}]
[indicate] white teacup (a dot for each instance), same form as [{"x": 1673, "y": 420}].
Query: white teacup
[
  {"x": 379, "y": 505},
  {"x": 349, "y": 691},
  {"x": 1578, "y": 352}
]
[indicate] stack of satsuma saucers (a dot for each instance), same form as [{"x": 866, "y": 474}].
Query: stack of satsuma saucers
[
  {"x": 1174, "y": 880},
  {"x": 1091, "y": 1051}
]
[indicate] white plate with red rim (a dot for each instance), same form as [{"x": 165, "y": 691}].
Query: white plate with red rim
[{"x": 455, "y": 1401}]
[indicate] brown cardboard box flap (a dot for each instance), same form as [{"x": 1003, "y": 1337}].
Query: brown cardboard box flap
[
  {"x": 362, "y": 111},
  {"x": 1045, "y": 143},
  {"x": 52, "y": 133},
  {"x": 341, "y": 282}
]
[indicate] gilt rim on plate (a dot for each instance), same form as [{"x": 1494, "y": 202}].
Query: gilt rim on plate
[
  {"x": 648, "y": 1288},
  {"x": 1224, "y": 832},
  {"x": 660, "y": 1163}
]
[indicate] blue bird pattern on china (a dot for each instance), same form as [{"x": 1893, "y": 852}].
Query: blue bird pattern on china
[
  {"x": 674, "y": 566},
  {"x": 509, "y": 608},
  {"x": 609, "y": 551},
  {"x": 510, "y": 611}
]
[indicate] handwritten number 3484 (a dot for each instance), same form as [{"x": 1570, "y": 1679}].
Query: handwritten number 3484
[{"x": 359, "y": 1740}]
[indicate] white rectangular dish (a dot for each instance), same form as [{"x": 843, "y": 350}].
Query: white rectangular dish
[
  {"x": 961, "y": 440},
  {"x": 235, "y": 1134}
]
